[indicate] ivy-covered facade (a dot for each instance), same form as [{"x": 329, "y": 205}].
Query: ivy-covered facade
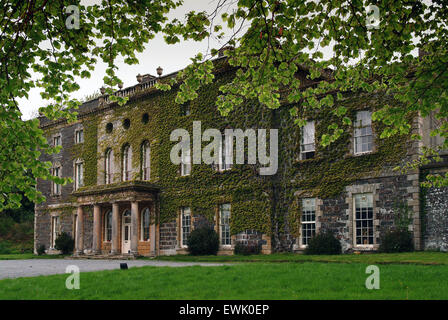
[{"x": 128, "y": 197}]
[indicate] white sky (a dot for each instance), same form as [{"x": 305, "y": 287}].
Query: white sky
[{"x": 157, "y": 53}]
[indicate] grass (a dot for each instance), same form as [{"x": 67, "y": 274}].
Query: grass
[
  {"x": 424, "y": 258},
  {"x": 21, "y": 256},
  {"x": 308, "y": 280}
]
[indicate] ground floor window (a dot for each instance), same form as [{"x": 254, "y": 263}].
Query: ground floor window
[
  {"x": 108, "y": 226},
  {"x": 224, "y": 224},
  {"x": 55, "y": 230},
  {"x": 363, "y": 205},
  {"x": 185, "y": 213},
  {"x": 308, "y": 219},
  {"x": 146, "y": 214}
]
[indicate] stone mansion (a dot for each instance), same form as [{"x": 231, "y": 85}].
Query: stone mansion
[{"x": 128, "y": 198}]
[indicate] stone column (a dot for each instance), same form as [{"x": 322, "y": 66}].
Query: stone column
[
  {"x": 80, "y": 231},
  {"x": 96, "y": 229},
  {"x": 134, "y": 227},
  {"x": 115, "y": 228}
]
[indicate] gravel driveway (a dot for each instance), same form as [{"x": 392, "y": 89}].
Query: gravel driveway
[{"x": 39, "y": 267}]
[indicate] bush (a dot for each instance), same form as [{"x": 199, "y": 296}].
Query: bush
[
  {"x": 5, "y": 248},
  {"x": 41, "y": 250},
  {"x": 203, "y": 241},
  {"x": 397, "y": 240},
  {"x": 247, "y": 249},
  {"x": 324, "y": 243},
  {"x": 64, "y": 243}
]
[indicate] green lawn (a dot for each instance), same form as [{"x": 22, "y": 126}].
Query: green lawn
[
  {"x": 426, "y": 258},
  {"x": 20, "y": 256},
  {"x": 309, "y": 280}
]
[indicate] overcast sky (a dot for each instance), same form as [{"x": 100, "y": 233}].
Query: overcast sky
[{"x": 157, "y": 53}]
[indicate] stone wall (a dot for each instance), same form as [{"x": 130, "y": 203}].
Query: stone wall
[{"x": 436, "y": 219}]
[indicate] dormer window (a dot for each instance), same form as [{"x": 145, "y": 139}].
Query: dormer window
[
  {"x": 307, "y": 147},
  {"x": 363, "y": 132}
]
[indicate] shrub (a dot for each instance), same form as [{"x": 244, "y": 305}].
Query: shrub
[
  {"x": 203, "y": 241},
  {"x": 4, "y": 248},
  {"x": 65, "y": 243},
  {"x": 247, "y": 249},
  {"x": 397, "y": 240},
  {"x": 324, "y": 243},
  {"x": 41, "y": 250}
]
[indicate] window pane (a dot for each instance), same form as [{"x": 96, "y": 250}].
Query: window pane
[{"x": 364, "y": 218}]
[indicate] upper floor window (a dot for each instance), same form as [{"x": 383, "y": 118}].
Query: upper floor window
[
  {"x": 108, "y": 166},
  {"x": 79, "y": 174},
  {"x": 185, "y": 109},
  {"x": 146, "y": 161},
  {"x": 307, "y": 146},
  {"x": 363, "y": 218},
  {"x": 57, "y": 141},
  {"x": 224, "y": 224},
  {"x": 127, "y": 163},
  {"x": 225, "y": 153},
  {"x": 308, "y": 220},
  {"x": 57, "y": 172},
  {"x": 146, "y": 214},
  {"x": 79, "y": 136},
  {"x": 185, "y": 166},
  {"x": 363, "y": 132},
  {"x": 185, "y": 213}
]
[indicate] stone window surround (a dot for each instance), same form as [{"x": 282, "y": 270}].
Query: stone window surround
[
  {"x": 319, "y": 202},
  {"x": 231, "y": 246},
  {"x": 75, "y": 171},
  {"x": 77, "y": 129},
  {"x": 179, "y": 245},
  {"x": 54, "y": 166},
  {"x": 372, "y": 188},
  {"x": 55, "y": 135}
]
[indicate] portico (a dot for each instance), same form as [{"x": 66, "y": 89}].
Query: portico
[{"x": 124, "y": 219}]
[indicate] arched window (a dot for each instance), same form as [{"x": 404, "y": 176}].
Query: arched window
[
  {"x": 127, "y": 163},
  {"x": 146, "y": 161},
  {"x": 146, "y": 214},
  {"x": 79, "y": 174},
  {"x": 108, "y": 226},
  {"x": 109, "y": 166}
]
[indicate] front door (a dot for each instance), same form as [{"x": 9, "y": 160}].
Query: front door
[{"x": 126, "y": 232}]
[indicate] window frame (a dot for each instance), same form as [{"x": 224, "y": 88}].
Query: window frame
[
  {"x": 142, "y": 225},
  {"x": 55, "y": 230},
  {"x": 225, "y": 153},
  {"x": 309, "y": 222},
  {"x": 146, "y": 161},
  {"x": 57, "y": 138},
  {"x": 78, "y": 174},
  {"x": 185, "y": 168},
  {"x": 310, "y": 125},
  {"x": 108, "y": 166},
  {"x": 126, "y": 163},
  {"x": 56, "y": 189},
  {"x": 183, "y": 239},
  {"x": 355, "y": 220},
  {"x": 108, "y": 226},
  {"x": 358, "y": 126},
  {"x": 79, "y": 136},
  {"x": 221, "y": 224}
]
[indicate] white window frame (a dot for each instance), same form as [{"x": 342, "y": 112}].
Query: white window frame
[
  {"x": 185, "y": 166},
  {"x": 126, "y": 163},
  {"x": 308, "y": 140},
  {"x": 57, "y": 172},
  {"x": 225, "y": 238},
  {"x": 225, "y": 152},
  {"x": 107, "y": 223},
  {"x": 146, "y": 161},
  {"x": 79, "y": 174},
  {"x": 55, "y": 230},
  {"x": 142, "y": 225},
  {"x": 57, "y": 140},
  {"x": 185, "y": 230},
  {"x": 79, "y": 136},
  {"x": 363, "y": 122},
  {"x": 108, "y": 166},
  {"x": 309, "y": 223},
  {"x": 368, "y": 202}
]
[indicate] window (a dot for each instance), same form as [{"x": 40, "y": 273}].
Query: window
[
  {"x": 225, "y": 153},
  {"x": 308, "y": 220},
  {"x": 109, "y": 127},
  {"x": 307, "y": 147},
  {"x": 57, "y": 141},
  {"x": 108, "y": 226},
  {"x": 224, "y": 224},
  {"x": 56, "y": 188},
  {"x": 363, "y": 132},
  {"x": 126, "y": 123},
  {"x": 146, "y": 161},
  {"x": 79, "y": 136},
  {"x": 79, "y": 174},
  {"x": 146, "y": 214},
  {"x": 364, "y": 218},
  {"x": 185, "y": 166},
  {"x": 108, "y": 166},
  {"x": 126, "y": 163},
  {"x": 185, "y": 213},
  {"x": 185, "y": 109},
  {"x": 55, "y": 230}
]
